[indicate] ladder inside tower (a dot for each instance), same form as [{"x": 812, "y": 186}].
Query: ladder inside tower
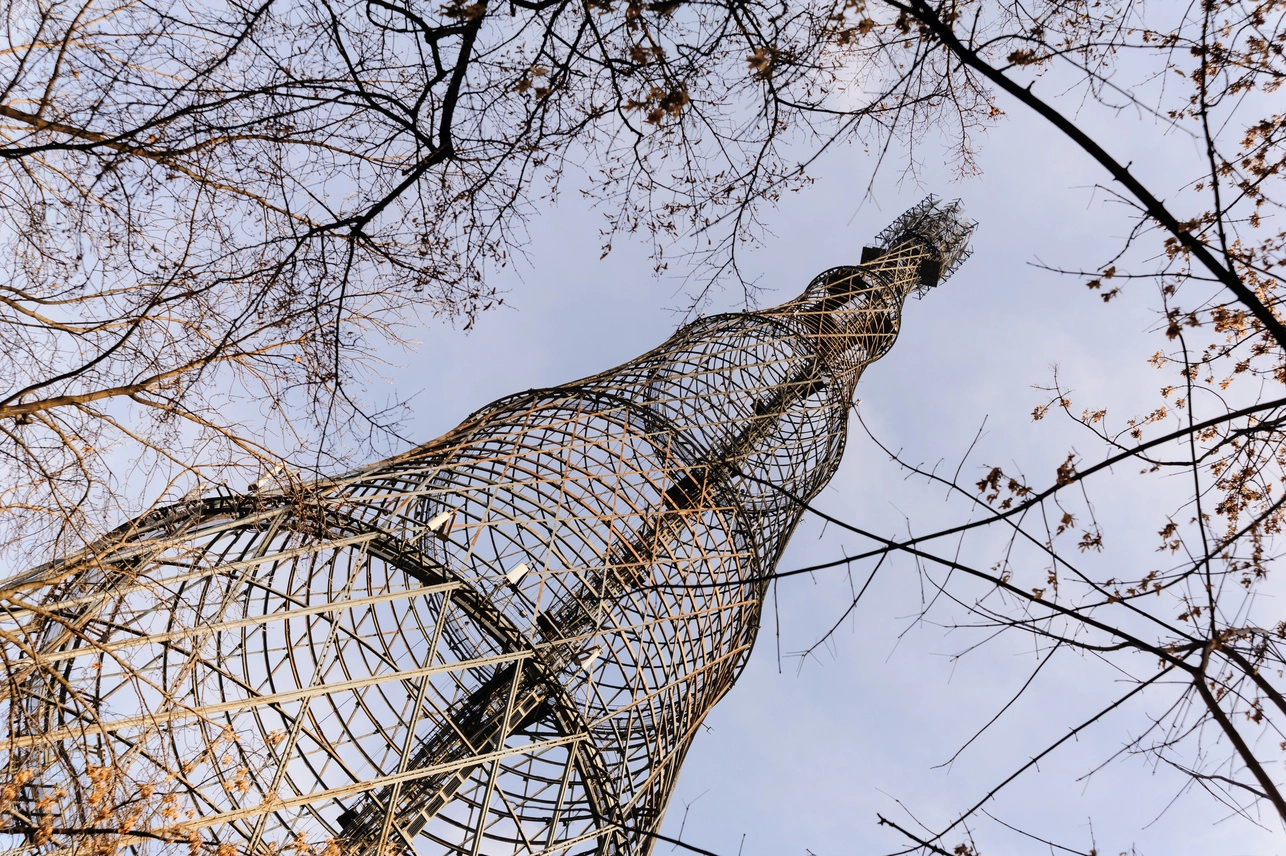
[{"x": 519, "y": 694}]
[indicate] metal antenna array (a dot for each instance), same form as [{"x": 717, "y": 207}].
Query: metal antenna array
[{"x": 501, "y": 642}]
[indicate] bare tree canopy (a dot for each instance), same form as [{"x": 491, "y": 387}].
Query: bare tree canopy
[
  {"x": 207, "y": 197},
  {"x": 216, "y": 204}
]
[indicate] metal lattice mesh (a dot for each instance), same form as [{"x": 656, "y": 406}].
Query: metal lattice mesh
[{"x": 501, "y": 642}]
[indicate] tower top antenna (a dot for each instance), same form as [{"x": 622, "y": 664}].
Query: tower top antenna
[{"x": 938, "y": 230}]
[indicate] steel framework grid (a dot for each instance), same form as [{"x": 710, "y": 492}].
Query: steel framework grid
[{"x": 500, "y": 642}]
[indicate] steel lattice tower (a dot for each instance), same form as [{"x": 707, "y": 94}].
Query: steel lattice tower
[{"x": 501, "y": 642}]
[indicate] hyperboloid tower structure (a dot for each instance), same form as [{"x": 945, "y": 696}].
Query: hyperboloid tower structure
[{"x": 501, "y": 642}]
